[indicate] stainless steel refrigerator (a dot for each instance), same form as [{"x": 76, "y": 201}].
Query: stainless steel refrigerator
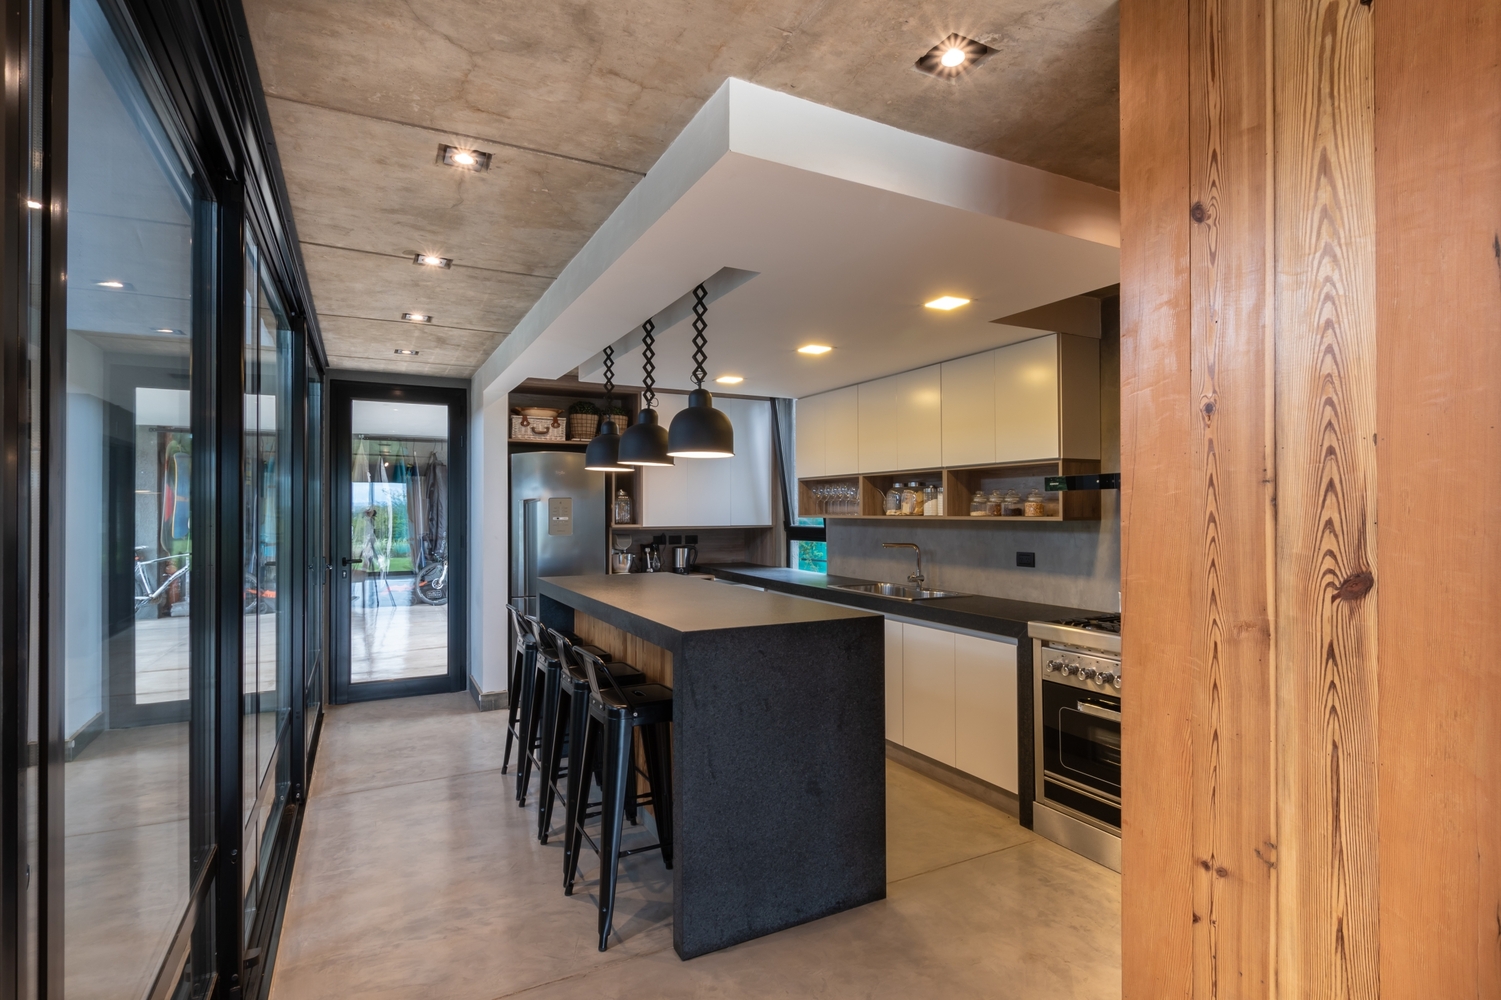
[{"x": 557, "y": 521}]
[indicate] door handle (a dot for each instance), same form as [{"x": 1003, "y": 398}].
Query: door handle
[
  {"x": 1099, "y": 712},
  {"x": 352, "y": 562}
]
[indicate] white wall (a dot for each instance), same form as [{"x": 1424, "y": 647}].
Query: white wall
[{"x": 489, "y": 576}]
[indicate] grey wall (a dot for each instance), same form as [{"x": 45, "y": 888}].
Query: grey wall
[{"x": 1078, "y": 562}]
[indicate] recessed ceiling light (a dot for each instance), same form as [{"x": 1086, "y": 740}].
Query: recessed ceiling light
[
  {"x": 730, "y": 379},
  {"x": 33, "y": 204},
  {"x": 417, "y": 317},
  {"x": 111, "y": 283},
  {"x": 952, "y": 56},
  {"x": 464, "y": 159},
  {"x": 814, "y": 349},
  {"x": 432, "y": 260},
  {"x": 947, "y": 302},
  {"x": 403, "y": 350}
]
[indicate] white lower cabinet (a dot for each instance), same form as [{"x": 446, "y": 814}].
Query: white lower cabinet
[
  {"x": 894, "y": 681},
  {"x": 985, "y": 710},
  {"x": 928, "y": 691},
  {"x": 952, "y": 697}
]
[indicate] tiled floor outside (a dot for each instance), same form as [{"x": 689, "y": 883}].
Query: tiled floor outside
[{"x": 418, "y": 876}]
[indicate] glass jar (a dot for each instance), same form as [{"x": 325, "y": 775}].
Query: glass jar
[
  {"x": 993, "y": 503},
  {"x": 622, "y": 507},
  {"x": 892, "y": 504},
  {"x": 1011, "y": 504},
  {"x": 979, "y": 505},
  {"x": 930, "y": 500},
  {"x": 941, "y": 509},
  {"x": 1035, "y": 505},
  {"x": 911, "y": 499}
]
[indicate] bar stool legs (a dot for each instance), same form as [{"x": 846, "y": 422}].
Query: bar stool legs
[{"x": 617, "y": 747}]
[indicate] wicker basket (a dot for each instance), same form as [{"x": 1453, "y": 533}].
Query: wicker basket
[
  {"x": 536, "y": 428},
  {"x": 582, "y": 426}
]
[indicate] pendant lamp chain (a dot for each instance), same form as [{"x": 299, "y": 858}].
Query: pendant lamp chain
[
  {"x": 609, "y": 377},
  {"x": 699, "y": 340},
  {"x": 648, "y": 364}
]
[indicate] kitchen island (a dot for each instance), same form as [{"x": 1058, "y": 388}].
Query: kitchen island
[{"x": 779, "y": 786}]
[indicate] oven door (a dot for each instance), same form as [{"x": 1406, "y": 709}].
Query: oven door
[{"x": 1081, "y": 744}]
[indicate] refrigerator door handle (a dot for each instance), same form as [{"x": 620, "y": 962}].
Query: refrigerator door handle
[{"x": 529, "y": 513}]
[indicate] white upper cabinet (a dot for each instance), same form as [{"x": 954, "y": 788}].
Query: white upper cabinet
[
  {"x": 878, "y": 423},
  {"x": 1035, "y": 401},
  {"x": 919, "y": 414},
  {"x": 808, "y": 418},
  {"x": 969, "y": 410},
  {"x": 1026, "y": 400},
  {"x": 714, "y": 492},
  {"x": 841, "y": 432}
]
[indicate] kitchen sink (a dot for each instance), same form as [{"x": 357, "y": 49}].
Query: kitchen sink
[{"x": 898, "y": 591}]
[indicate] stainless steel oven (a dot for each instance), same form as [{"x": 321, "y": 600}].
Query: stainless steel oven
[{"x": 1077, "y": 711}]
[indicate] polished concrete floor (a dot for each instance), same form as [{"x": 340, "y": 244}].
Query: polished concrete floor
[
  {"x": 394, "y": 643},
  {"x": 417, "y": 876}
]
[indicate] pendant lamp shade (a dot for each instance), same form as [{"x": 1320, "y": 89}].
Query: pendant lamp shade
[
  {"x": 645, "y": 443},
  {"x": 603, "y": 453},
  {"x": 701, "y": 431}
]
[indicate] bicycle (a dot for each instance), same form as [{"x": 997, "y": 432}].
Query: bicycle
[
  {"x": 144, "y": 593},
  {"x": 431, "y": 585}
]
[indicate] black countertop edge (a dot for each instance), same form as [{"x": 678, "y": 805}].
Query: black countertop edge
[
  {"x": 653, "y": 632},
  {"x": 995, "y": 615}
]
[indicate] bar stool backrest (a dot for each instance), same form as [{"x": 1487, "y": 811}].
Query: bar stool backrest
[
  {"x": 518, "y": 629},
  {"x": 536, "y": 629},
  {"x": 595, "y": 668},
  {"x": 567, "y": 653}
]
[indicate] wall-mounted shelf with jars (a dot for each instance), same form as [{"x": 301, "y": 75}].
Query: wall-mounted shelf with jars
[{"x": 979, "y": 494}]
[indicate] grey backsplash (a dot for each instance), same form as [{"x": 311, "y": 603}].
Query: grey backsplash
[{"x": 1078, "y": 562}]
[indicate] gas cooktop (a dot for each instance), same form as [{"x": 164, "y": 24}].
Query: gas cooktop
[
  {"x": 1096, "y": 632},
  {"x": 1103, "y": 623}
]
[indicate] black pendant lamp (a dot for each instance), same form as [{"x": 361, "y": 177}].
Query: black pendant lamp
[
  {"x": 700, "y": 431},
  {"x": 603, "y": 453},
  {"x": 645, "y": 443}
]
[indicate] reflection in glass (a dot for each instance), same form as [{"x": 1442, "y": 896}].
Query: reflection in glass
[
  {"x": 399, "y": 586},
  {"x": 128, "y": 513},
  {"x": 266, "y": 495},
  {"x": 317, "y": 557}
]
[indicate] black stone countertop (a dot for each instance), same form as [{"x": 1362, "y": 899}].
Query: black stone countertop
[
  {"x": 662, "y": 607},
  {"x": 995, "y": 615}
]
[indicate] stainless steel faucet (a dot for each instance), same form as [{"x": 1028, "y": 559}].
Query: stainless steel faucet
[{"x": 916, "y": 578}]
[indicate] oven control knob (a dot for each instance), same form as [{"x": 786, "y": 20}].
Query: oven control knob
[
  {"x": 1087, "y": 673},
  {"x": 1117, "y": 681},
  {"x": 1066, "y": 669},
  {"x": 1104, "y": 677},
  {"x": 1052, "y": 665}
]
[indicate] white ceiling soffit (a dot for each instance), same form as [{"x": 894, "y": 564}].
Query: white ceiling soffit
[{"x": 850, "y": 226}]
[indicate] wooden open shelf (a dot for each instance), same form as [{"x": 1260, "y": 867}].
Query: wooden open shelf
[{"x": 959, "y": 485}]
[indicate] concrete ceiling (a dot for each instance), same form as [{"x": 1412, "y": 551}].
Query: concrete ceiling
[{"x": 576, "y": 101}]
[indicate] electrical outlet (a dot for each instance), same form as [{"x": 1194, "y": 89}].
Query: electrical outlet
[{"x": 1026, "y": 559}]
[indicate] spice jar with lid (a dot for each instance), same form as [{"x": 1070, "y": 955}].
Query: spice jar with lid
[
  {"x": 1011, "y": 504},
  {"x": 892, "y": 503},
  {"x": 1035, "y": 506},
  {"x": 911, "y": 499},
  {"x": 977, "y": 504},
  {"x": 930, "y": 500},
  {"x": 993, "y": 503}
]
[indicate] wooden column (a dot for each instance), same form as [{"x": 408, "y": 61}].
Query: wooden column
[{"x": 1313, "y": 736}]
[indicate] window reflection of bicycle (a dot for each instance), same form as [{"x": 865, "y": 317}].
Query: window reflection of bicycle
[
  {"x": 146, "y": 594},
  {"x": 431, "y": 585}
]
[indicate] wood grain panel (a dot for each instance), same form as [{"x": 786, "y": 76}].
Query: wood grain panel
[
  {"x": 1326, "y": 496},
  {"x": 653, "y": 661},
  {"x": 1438, "y": 213},
  {"x": 1234, "y": 760},
  {"x": 1157, "y": 487}
]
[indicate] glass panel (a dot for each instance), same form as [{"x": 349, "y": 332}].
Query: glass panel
[
  {"x": 398, "y": 616},
  {"x": 266, "y": 494},
  {"x": 317, "y": 557},
  {"x": 812, "y": 557},
  {"x": 128, "y": 513}
]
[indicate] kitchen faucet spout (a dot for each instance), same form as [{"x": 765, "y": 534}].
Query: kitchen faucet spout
[{"x": 917, "y": 578}]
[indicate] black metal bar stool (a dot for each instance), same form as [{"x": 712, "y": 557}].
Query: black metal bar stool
[
  {"x": 560, "y": 728},
  {"x": 523, "y": 649},
  {"x": 615, "y": 713},
  {"x": 540, "y": 694}
]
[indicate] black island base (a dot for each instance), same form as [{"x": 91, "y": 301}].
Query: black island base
[{"x": 778, "y": 743}]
